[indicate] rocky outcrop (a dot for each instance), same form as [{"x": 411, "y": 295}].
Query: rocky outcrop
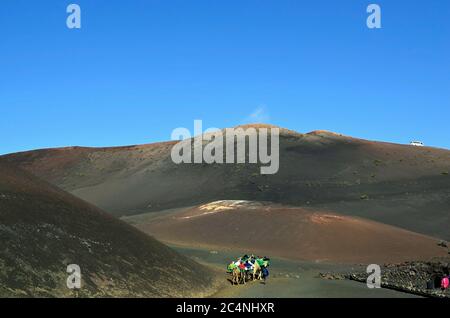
[{"x": 419, "y": 278}]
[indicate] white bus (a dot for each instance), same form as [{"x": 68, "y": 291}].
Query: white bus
[{"x": 416, "y": 143}]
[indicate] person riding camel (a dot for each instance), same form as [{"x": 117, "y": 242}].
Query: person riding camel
[
  {"x": 230, "y": 267},
  {"x": 250, "y": 266}
]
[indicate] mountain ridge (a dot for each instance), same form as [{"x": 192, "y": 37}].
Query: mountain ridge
[{"x": 390, "y": 183}]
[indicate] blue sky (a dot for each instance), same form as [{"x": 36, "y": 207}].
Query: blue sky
[{"x": 138, "y": 69}]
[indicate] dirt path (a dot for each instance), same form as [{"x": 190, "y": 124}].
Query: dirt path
[
  {"x": 307, "y": 286},
  {"x": 288, "y": 279}
]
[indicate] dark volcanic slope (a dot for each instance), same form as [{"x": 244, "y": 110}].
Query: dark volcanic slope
[
  {"x": 43, "y": 229},
  {"x": 290, "y": 232},
  {"x": 395, "y": 184}
]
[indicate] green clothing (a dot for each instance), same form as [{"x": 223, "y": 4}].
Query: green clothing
[
  {"x": 260, "y": 262},
  {"x": 263, "y": 263},
  {"x": 231, "y": 267}
]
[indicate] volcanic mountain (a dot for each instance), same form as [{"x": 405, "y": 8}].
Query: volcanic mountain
[
  {"x": 44, "y": 229},
  {"x": 289, "y": 232},
  {"x": 399, "y": 185}
]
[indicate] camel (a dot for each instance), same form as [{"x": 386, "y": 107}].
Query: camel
[
  {"x": 257, "y": 271},
  {"x": 238, "y": 276}
]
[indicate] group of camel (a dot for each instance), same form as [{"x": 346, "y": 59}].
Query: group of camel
[{"x": 253, "y": 271}]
